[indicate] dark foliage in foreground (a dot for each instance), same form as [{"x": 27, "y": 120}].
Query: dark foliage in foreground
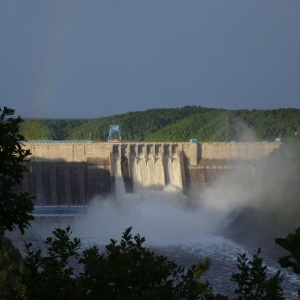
[
  {"x": 11, "y": 267},
  {"x": 15, "y": 208},
  {"x": 252, "y": 279},
  {"x": 291, "y": 243}
]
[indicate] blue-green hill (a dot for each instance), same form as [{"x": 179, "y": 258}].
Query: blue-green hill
[{"x": 173, "y": 124}]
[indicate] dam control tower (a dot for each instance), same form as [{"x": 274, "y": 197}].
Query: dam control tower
[{"x": 114, "y": 129}]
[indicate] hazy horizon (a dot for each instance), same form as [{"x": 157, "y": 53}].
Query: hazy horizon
[{"x": 44, "y": 115}]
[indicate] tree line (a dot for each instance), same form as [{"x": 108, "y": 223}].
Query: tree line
[{"x": 173, "y": 124}]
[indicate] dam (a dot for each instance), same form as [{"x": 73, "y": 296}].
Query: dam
[{"x": 70, "y": 173}]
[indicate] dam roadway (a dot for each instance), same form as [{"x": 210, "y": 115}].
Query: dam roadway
[{"x": 71, "y": 173}]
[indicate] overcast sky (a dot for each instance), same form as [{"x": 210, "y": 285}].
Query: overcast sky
[{"x": 84, "y": 59}]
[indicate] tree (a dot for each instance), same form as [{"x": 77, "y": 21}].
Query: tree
[
  {"x": 15, "y": 208},
  {"x": 10, "y": 269},
  {"x": 52, "y": 276},
  {"x": 291, "y": 243},
  {"x": 135, "y": 272},
  {"x": 252, "y": 280}
]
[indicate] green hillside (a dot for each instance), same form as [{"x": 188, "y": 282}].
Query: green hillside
[{"x": 174, "y": 124}]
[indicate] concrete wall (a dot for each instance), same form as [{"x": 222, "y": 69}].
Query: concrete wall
[
  {"x": 67, "y": 173},
  {"x": 207, "y": 161},
  {"x": 68, "y": 152},
  {"x": 72, "y": 173},
  {"x": 230, "y": 151}
]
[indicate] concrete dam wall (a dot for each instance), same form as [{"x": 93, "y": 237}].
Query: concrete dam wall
[{"x": 72, "y": 173}]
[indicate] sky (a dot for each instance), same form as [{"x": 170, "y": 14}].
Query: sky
[{"x": 96, "y": 58}]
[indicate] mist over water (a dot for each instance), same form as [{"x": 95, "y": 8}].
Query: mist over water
[{"x": 165, "y": 216}]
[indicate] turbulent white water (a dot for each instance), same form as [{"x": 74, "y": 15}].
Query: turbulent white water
[{"x": 119, "y": 183}]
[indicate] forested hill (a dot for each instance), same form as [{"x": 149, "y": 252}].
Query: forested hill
[{"x": 173, "y": 125}]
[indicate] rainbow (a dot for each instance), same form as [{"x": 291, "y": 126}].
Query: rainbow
[{"x": 48, "y": 73}]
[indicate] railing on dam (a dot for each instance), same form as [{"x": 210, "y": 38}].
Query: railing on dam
[
  {"x": 57, "y": 141},
  {"x": 61, "y": 211}
]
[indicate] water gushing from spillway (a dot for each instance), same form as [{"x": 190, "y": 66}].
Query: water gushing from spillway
[
  {"x": 155, "y": 174},
  {"x": 150, "y": 167},
  {"x": 147, "y": 174},
  {"x": 119, "y": 182}
]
